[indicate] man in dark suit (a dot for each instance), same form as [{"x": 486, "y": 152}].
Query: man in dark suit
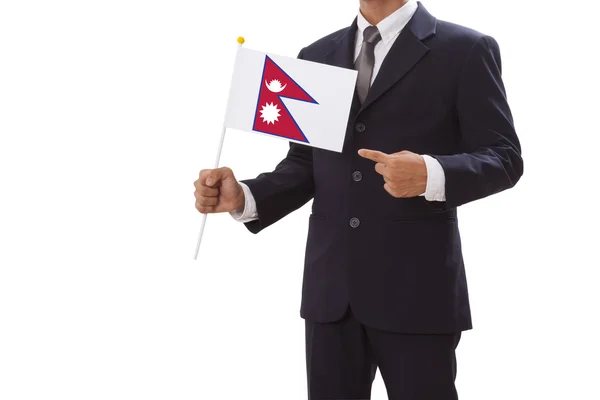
[{"x": 384, "y": 281}]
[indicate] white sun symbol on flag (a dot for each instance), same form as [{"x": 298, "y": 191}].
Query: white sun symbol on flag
[{"x": 270, "y": 113}]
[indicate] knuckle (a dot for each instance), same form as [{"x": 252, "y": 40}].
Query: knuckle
[
  {"x": 392, "y": 191},
  {"x": 204, "y": 209}
]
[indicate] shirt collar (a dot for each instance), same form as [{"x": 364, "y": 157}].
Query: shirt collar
[{"x": 392, "y": 24}]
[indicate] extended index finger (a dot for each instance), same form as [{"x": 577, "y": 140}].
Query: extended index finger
[{"x": 373, "y": 155}]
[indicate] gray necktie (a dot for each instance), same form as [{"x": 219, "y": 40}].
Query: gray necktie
[{"x": 365, "y": 61}]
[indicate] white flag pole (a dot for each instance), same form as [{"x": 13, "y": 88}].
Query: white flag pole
[{"x": 240, "y": 41}]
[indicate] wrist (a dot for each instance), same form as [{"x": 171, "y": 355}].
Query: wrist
[
  {"x": 424, "y": 175},
  {"x": 241, "y": 199}
]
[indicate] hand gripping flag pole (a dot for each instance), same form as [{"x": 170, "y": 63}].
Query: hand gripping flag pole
[{"x": 240, "y": 41}]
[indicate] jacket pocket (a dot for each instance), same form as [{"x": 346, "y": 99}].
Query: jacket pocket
[
  {"x": 317, "y": 216},
  {"x": 426, "y": 218}
]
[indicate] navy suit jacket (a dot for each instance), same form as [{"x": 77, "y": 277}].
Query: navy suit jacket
[{"x": 399, "y": 264}]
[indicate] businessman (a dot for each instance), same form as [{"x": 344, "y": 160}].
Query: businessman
[{"x": 429, "y": 130}]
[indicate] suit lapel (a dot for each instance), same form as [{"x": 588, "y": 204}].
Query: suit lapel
[
  {"x": 342, "y": 56},
  {"x": 406, "y": 52},
  {"x": 342, "y": 53}
]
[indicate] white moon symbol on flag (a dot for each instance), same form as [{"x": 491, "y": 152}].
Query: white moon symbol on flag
[{"x": 275, "y": 86}]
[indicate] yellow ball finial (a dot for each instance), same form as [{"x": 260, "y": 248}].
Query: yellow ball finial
[{"x": 241, "y": 40}]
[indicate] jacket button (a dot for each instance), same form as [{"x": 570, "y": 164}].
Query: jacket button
[
  {"x": 354, "y": 222},
  {"x": 360, "y": 127},
  {"x": 357, "y": 176}
]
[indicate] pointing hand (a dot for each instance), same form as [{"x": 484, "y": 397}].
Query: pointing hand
[{"x": 404, "y": 173}]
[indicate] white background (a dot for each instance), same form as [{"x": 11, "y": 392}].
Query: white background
[{"x": 108, "y": 110}]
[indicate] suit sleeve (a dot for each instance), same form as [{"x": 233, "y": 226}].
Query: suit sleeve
[
  {"x": 285, "y": 189},
  {"x": 490, "y": 159}
]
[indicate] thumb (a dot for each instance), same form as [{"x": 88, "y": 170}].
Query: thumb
[{"x": 217, "y": 175}]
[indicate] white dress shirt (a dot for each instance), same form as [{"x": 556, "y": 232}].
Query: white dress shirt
[{"x": 389, "y": 29}]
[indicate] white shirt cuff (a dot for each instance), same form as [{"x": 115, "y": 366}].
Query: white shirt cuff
[
  {"x": 249, "y": 212},
  {"x": 436, "y": 180}
]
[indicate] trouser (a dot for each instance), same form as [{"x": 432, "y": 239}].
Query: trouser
[{"x": 342, "y": 358}]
